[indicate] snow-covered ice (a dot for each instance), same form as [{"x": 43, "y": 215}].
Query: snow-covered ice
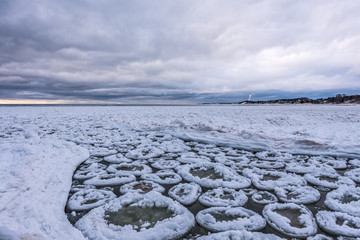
[
  {"x": 345, "y": 199},
  {"x": 137, "y": 216},
  {"x": 239, "y": 235},
  {"x": 297, "y": 194},
  {"x": 142, "y": 186},
  {"x": 223, "y": 197},
  {"x": 185, "y": 193},
  {"x": 306, "y": 139},
  {"x": 290, "y": 219},
  {"x": 88, "y": 199},
  {"x": 339, "y": 223},
  {"x": 219, "y": 219},
  {"x": 264, "y": 197}
]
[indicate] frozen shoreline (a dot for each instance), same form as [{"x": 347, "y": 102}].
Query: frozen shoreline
[{"x": 36, "y": 169}]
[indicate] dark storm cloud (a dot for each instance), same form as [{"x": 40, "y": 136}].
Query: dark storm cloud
[{"x": 173, "y": 50}]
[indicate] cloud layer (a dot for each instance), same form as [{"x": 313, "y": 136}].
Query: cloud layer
[{"x": 176, "y": 51}]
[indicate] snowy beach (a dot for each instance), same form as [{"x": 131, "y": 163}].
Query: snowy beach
[{"x": 191, "y": 161}]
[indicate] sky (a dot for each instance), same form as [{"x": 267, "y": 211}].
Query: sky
[{"x": 183, "y": 51}]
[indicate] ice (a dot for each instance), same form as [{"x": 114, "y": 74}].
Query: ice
[
  {"x": 267, "y": 164},
  {"x": 339, "y": 223},
  {"x": 290, "y": 219},
  {"x": 219, "y": 133},
  {"x": 218, "y": 219},
  {"x": 297, "y": 194},
  {"x": 111, "y": 179},
  {"x": 6, "y": 234},
  {"x": 136, "y": 168},
  {"x": 163, "y": 177},
  {"x": 345, "y": 199},
  {"x": 268, "y": 180},
  {"x": 185, "y": 193},
  {"x": 144, "y": 151},
  {"x": 35, "y": 176},
  {"x": 212, "y": 175},
  {"x": 174, "y": 146},
  {"x": 141, "y": 187},
  {"x": 165, "y": 164},
  {"x": 88, "y": 199},
  {"x": 223, "y": 197},
  {"x": 330, "y": 161},
  {"x": 306, "y": 167},
  {"x": 328, "y": 179},
  {"x": 239, "y": 235},
  {"x": 263, "y": 197},
  {"x": 143, "y": 216},
  {"x": 353, "y": 174},
  {"x": 117, "y": 158},
  {"x": 319, "y": 237}
]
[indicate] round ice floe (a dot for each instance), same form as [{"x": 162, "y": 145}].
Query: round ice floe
[
  {"x": 268, "y": 180},
  {"x": 344, "y": 199},
  {"x": 355, "y": 162},
  {"x": 319, "y": 237},
  {"x": 101, "y": 151},
  {"x": 174, "y": 146},
  {"x": 219, "y": 219},
  {"x": 137, "y": 216},
  {"x": 213, "y": 175},
  {"x": 229, "y": 160},
  {"x": 339, "y": 223},
  {"x": 223, "y": 197},
  {"x": 240, "y": 235},
  {"x": 290, "y": 219},
  {"x": 86, "y": 174},
  {"x": 134, "y": 168},
  {"x": 249, "y": 191},
  {"x": 165, "y": 164},
  {"x": 88, "y": 199},
  {"x": 117, "y": 158},
  {"x": 159, "y": 137},
  {"x": 191, "y": 157},
  {"x": 306, "y": 167},
  {"x": 144, "y": 151},
  {"x": 297, "y": 194},
  {"x": 336, "y": 163},
  {"x": 141, "y": 187},
  {"x": 110, "y": 179},
  {"x": 273, "y": 156},
  {"x": 185, "y": 193},
  {"x": 263, "y": 197},
  {"x": 353, "y": 174},
  {"x": 79, "y": 187},
  {"x": 163, "y": 177},
  {"x": 328, "y": 179},
  {"x": 267, "y": 164}
]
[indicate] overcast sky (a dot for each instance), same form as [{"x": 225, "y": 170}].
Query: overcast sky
[{"x": 142, "y": 51}]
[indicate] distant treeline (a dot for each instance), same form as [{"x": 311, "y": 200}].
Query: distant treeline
[{"x": 338, "y": 99}]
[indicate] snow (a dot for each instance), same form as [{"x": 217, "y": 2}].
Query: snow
[
  {"x": 346, "y": 199},
  {"x": 353, "y": 174},
  {"x": 163, "y": 177},
  {"x": 34, "y": 188},
  {"x": 185, "y": 193},
  {"x": 297, "y": 194},
  {"x": 165, "y": 164},
  {"x": 213, "y": 175},
  {"x": 219, "y": 219},
  {"x": 328, "y": 179},
  {"x": 135, "y": 168},
  {"x": 233, "y": 136},
  {"x": 141, "y": 187},
  {"x": 88, "y": 199},
  {"x": 223, "y": 197},
  {"x": 239, "y": 235},
  {"x": 290, "y": 219},
  {"x": 263, "y": 197},
  {"x": 110, "y": 179},
  {"x": 94, "y": 225},
  {"x": 339, "y": 223}
]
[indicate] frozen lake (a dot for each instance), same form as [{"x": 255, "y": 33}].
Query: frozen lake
[{"x": 188, "y": 171}]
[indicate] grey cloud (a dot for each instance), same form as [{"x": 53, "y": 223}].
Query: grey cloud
[{"x": 176, "y": 49}]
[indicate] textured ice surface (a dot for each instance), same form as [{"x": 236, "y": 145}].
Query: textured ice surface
[
  {"x": 339, "y": 223},
  {"x": 109, "y": 179},
  {"x": 223, "y": 197},
  {"x": 143, "y": 186},
  {"x": 135, "y": 168},
  {"x": 239, "y": 235},
  {"x": 297, "y": 194},
  {"x": 263, "y": 197},
  {"x": 328, "y": 179},
  {"x": 345, "y": 199},
  {"x": 353, "y": 174},
  {"x": 213, "y": 175},
  {"x": 219, "y": 219},
  {"x": 137, "y": 216},
  {"x": 88, "y": 199},
  {"x": 214, "y": 134},
  {"x": 185, "y": 193},
  {"x": 165, "y": 164},
  {"x": 290, "y": 219},
  {"x": 163, "y": 177}
]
